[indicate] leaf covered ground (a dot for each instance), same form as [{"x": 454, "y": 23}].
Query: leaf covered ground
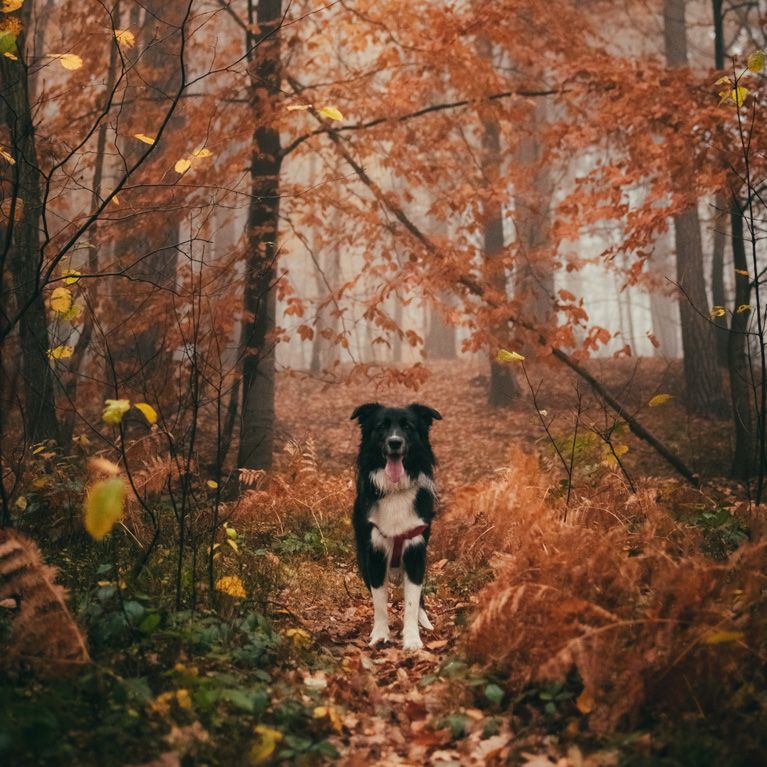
[{"x": 281, "y": 671}]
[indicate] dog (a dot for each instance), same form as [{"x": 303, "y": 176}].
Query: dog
[{"x": 394, "y": 509}]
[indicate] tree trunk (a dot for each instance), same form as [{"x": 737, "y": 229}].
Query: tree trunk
[
  {"x": 440, "y": 334},
  {"x": 258, "y": 373},
  {"x": 741, "y": 386},
  {"x": 504, "y": 388},
  {"x": 22, "y": 248},
  {"x": 703, "y": 383},
  {"x": 718, "y": 295},
  {"x": 663, "y": 307}
]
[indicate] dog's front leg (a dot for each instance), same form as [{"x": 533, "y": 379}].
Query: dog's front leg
[
  {"x": 380, "y": 593},
  {"x": 415, "y": 567}
]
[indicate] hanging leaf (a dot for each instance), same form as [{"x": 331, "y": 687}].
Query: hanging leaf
[
  {"x": 104, "y": 506},
  {"x": 61, "y": 300},
  {"x": 212, "y": 484},
  {"x": 114, "y": 409},
  {"x": 202, "y": 153},
  {"x": 9, "y": 6},
  {"x": 125, "y": 38},
  {"x": 8, "y": 37},
  {"x": 231, "y": 585},
  {"x": 504, "y": 355},
  {"x": 69, "y": 61},
  {"x": 738, "y": 95},
  {"x": 149, "y": 412},
  {"x": 62, "y": 352},
  {"x": 332, "y": 113},
  {"x": 756, "y": 60},
  {"x": 660, "y": 399},
  {"x": 71, "y": 277},
  {"x": 143, "y": 137},
  {"x": 73, "y": 313},
  {"x": 182, "y": 166},
  {"x": 11, "y": 56},
  {"x": 743, "y": 308},
  {"x": 7, "y": 157},
  {"x": 718, "y": 311},
  {"x": 742, "y": 272}
]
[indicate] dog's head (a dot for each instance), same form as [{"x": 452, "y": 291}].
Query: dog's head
[{"x": 396, "y": 438}]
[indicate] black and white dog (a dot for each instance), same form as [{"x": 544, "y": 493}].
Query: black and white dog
[{"x": 394, "y": 509}]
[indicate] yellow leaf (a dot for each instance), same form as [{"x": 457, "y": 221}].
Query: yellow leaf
[
  {"x": 724, "y": 80},
  {"x": 184, "y": 699},
  {"x": 11, "y": 56},
  {"x": 738, "y": 95},
  {"x": 231, "y": 585},
  {"x": 101, "y": 465},
  {"x": 756, "y": 61},
  {"x": 62, "y": 352},
  {"x": 104, "y": 506},
  {"x": 301, "y": 639},
  {"x": 114, "y": 409},
  {"x": 212, "y": 484},
  {"x": 742, "y": 272},
  {"x": 585, "y": 702},
  {"x": 331, "y": 714},
  {"x": 21, "y": 503},
  {"x": 71, "y": 277},
  {"x": 504, "y": 355},
  {"x": 69, "y": 61},
  {"x": 143, "y": 137},
  {"x": 263, "y": 749},
  {"x": 233, "y": 545},
  {"x": 182, "y": 166},
  {"x": 202, "y": 153},
  {"x": 9, "y": 6},
  {"x": 718, "y": 311},
  {"x": 620, "y": 450},
  {"x": 660, "y": 399},
  {"x": 743, "y": 308},
  {"x": 332, "y": 113},
  {"x": 125, "y": 37},
  {"x": 722, "y": 637},
  {"x": 116, "y": 200},
  {"x": 7, "y": 157},
  {"x": 149, "y": 412},
  {"x": 61, "y": 300}
]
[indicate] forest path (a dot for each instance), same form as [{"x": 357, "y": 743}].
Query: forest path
[{"x": 390, "y": 707}]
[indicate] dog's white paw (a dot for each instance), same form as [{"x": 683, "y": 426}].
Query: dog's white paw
[
  {"x": 411, "y": 642},
  {"x": 423, "y": 619},
  {"x": 379, "y": 634}
]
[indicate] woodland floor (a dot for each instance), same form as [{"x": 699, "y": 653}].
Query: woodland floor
[
  {"x": 383, "y": 706},
  {"x": 391, "y": 716}
]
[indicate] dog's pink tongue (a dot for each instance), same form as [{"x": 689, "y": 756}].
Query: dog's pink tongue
[{"x": 394, "y": 469}]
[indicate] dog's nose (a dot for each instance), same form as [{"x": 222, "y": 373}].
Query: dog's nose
[{"x": 394, "y": 443}]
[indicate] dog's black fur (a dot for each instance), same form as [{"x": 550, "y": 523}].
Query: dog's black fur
[{"x": 395, "y": 443}]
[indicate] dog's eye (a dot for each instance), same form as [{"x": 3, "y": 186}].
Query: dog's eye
[{"x": 406, "y": 426}]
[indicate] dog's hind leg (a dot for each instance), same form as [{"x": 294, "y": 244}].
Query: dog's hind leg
[{"x": 423, "y": 618}]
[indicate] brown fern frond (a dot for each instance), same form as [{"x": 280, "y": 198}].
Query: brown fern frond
[{"x": 44, "y": 635}]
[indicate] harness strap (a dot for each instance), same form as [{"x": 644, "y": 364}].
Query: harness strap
[{"x": 398, "y": 541}]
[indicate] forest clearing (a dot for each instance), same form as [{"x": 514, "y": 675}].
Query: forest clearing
[{"x": 383, "y": 382}]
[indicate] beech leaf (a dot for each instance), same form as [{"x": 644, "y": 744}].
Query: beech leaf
[
  {"x": 104, "y": 506},
  {"x": 61, "y": 352},
  {"x": 756, "y": 60},
  {"x": 149, "y": 412},
  {"x": 504, "y": 355},
  {"x": 231, "y": 585},
  {"x": 69, "y": 61},
  {"x": 143, "y": 137},
  {"x": 659, "y": 399},
  {"x": 332, "y": 113},
  {"x": 182, "y": 166},
  {"x": 718, "y": 311},
  {"x": 61, "y": 300},
  {"x": 9, "y": 6},
  {"x": 114, "y": 409},
  {"x": 125, "y": 37}
]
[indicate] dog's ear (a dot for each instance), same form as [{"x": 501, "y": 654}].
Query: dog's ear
[
  {"x": 425, "y": 414},
  {"x": 365, "y": 412}
]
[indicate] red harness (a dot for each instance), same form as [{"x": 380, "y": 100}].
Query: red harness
[{"x": 398, "y": 542}]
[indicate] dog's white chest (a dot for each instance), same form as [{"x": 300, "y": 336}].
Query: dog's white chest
[{"x": 394, "y": 514}]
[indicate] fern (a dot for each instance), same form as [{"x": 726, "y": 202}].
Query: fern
[{"x": 44, "y": 634}]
